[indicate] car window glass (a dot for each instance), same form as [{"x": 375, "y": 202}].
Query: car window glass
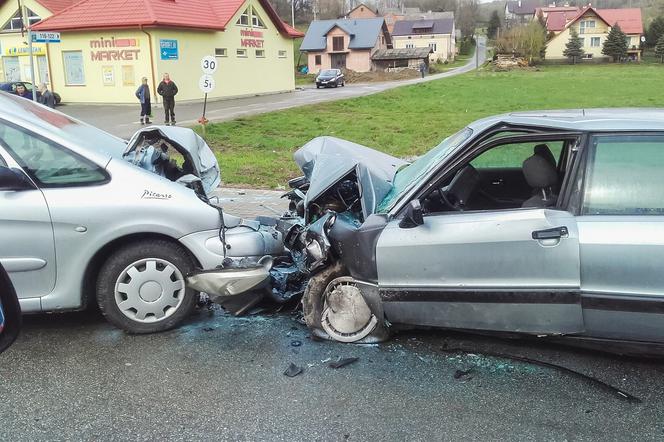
[
  {"x": 513, "y": 155},
  {"x": 46, "y": 162},
  {"x": 625, "y": 176}
]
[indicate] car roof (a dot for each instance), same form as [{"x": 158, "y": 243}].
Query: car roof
[
  {"x": 81, "y": 137},
  {"x": 582, "y": 120}
]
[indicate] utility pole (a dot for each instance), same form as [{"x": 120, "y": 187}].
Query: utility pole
[
  {"x": 26, "y": 24},
  {"x": 292, "y": 6}
]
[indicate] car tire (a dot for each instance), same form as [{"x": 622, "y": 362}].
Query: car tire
[
  {"x": 143, "y": 281},
  {"x": 57, "y": 97},
  {"x": 317, "y": 87},
  {"x": 373, "y": 328}
]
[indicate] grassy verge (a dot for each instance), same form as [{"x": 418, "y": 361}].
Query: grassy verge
[{"x": 257, "y": 151}]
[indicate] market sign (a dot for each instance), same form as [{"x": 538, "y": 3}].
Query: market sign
[
  {"x": 45, "y": 37},
  {"x": 168, "y": 49},
  {"x": 17, "y": 51},
  {"x": 252, "y": 39},
  {"x": 115, "y": 49}
]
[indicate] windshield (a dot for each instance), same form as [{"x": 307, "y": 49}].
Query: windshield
[
  {"x": 411, "y": 174},
  {"x": 328, "y": 72}
]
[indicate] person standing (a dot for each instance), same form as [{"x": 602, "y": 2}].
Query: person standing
[
  {"x": 168, "y": 90},
  {"x": 423, "y": 69},
  {"x": 143, "y": 95},
  {"x": 46, "y": 98}
]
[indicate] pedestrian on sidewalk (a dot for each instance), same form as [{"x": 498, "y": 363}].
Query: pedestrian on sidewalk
[
  {"x": 423, "y": 69},
  {"x": 168, "y": 90},
  {"x": 143, "y": 95},
  {"x": 46, "y": 97}
]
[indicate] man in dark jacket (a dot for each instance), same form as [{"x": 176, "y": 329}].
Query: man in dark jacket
[
  {"x": 168, "y": 90},
  {"x": 143, "y": 95},
  {"x": 46, "y": 98}
]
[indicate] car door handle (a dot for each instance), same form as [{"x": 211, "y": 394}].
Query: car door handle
[{"x": 555, "y": 233}]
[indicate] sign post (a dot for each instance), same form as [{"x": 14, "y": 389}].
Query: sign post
[
  {"x": 26, "y": 24},
  {"x": 206, "y": 83}
]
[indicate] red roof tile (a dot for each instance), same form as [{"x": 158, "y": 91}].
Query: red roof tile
[
  {"x": 629, "y": 19},
  {"x": 122, "y": 14},
  {"x": 56, "y": 6},
  {"x": 556, "y": 21}
]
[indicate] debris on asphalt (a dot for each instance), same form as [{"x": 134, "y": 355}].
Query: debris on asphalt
[
  {"x": 296, "y": 343},
  {"x": 463, "y": 374},
  {"x": 293, "y": 370},
  {"x": 208, "y": 329},
  {"x": 342, "y": 362},
  {"x": 589, "y": 379}
]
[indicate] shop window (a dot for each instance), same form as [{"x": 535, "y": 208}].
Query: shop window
[
  {"x": 283, "y": 54},
  {"x": 337, "y": 43},
  {"x": 15, "y": 23},
  {"x": 73, "y": 64},
  {"x": 12, "y": 68},
  {"x": 241, "y": 53},
  {"x": 260, "y": 53},
  {"x": 318, "y": 60},
  {"x": 220, "y": 52}
]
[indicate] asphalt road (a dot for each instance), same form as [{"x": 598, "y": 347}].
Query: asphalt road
[{"x": 123, "y": 120}]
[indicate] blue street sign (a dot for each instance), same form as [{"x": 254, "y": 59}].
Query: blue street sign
[
  {"x": 168, "y": 49},
  {"x": 45, "y": 37}
]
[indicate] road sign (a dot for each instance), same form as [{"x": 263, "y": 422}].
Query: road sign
[
  {"x": 209, "y": 65},
  {"x": 168, "y": 49},
  {"x": 206, "y": 83},
  {"x": 45, "y": 37}
]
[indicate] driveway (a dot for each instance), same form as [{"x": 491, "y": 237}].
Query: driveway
[{"x": 123, "y": 120}]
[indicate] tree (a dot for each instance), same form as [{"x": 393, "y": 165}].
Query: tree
[
  {"x": 494, "y": 25},
  {"x": 615, "y": 45},
  {"x": 528, "y": 41},
  {"x": 574, "y": 47},
  {"x": 655, "y": 31},
  {"x": 659, "y": 49},
  {"x": 467, "y": 18}
]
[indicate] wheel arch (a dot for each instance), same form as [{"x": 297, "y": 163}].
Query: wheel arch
[{"x": 88, "y": 284}]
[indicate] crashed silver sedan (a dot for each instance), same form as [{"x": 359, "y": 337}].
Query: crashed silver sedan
[
  {"x": 87, "y": 217},
  {"x": 548, "y": 224}
]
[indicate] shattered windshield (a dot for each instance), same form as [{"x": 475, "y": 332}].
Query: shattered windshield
[{"x": 411, "y": 174}]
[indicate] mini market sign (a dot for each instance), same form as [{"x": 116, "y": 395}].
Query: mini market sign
[{"x": 252, "y": 39}]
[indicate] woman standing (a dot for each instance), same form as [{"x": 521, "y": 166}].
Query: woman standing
[{"x": 143, "y": 95}]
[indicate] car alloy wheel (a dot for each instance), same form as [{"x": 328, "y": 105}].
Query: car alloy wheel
[
  {"x": 346, "y": 316},
  {"x": 149, "y": 290}
]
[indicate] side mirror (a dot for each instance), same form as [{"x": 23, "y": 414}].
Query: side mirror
[
  {"x": 11, "y": 179},
  {"x": 413, "y": 216},
  {"x": 10, "y": 312}
]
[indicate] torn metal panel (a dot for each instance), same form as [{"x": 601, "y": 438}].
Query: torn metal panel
[
  {"x": 226, "y": 282},
  {"x": 327, "y": 160},
  {"x": 148, "y": 149}
]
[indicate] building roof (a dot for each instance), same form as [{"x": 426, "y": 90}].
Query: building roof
[
  {"x": 629, "y": 19},
  {"x": 56, "y": 6},
  {"x": 556, "y": 21},
  {"x": 401, "y": 54},
  {"x": 362, "y": 5},
  {"x": 122, "y": 14},
  {"x": 400, "y": 11},
  {"x": 429, "y": 15},
  {"x": 522, "y": 7},
  {"x": 437, "y": 26},
  {"x": 363, "y": 33}
]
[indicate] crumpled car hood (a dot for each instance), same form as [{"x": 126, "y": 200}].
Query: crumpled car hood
[
  {"x": 191, "y": 146},
  {"x": 327, "y": 160}
]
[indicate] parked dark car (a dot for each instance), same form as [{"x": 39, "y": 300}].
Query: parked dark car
[
  {"x": 10, "y": 312},
  {"x": 330, "y": 78},
  {"x": 10, "y": 86}
]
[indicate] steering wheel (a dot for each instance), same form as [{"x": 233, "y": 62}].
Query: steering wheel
[{"x": 455, "y": 195}]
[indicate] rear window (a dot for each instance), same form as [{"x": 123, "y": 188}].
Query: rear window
[{"x": 625, "y": 175}]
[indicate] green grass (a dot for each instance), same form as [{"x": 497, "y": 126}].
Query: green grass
[{"x": 408, "y": 121}]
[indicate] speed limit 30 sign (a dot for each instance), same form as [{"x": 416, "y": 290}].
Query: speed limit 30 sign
[{"x": 209, "y": 65}]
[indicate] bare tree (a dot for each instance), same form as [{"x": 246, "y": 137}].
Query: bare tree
[{"x": 466, "y": 17}]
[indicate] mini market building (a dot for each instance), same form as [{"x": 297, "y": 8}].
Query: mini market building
[{"x": 107, "y": 46}]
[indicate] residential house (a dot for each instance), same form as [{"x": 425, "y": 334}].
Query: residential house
[
  {"x": 436, "y": 34},
  {"x": 361, "y": 11},
  {"x": 344, "y": 43},
  {"x": 544, "y": 11},
  {"x": 520, "y": 11},
  {"x": 393, "y": 15},
  {"x": 593, "y": 26}
]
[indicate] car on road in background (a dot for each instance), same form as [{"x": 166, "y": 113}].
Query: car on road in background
[
  {"x": 82, "y": 220},
  {"x": 10, "y": 311},
  {"x": 10, "y": 86},
  {"x": 330, "y": 78},
  {"x": 549, "y": 224}
]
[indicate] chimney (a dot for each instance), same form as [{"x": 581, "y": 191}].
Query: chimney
[{"x": 519, "y": 3}]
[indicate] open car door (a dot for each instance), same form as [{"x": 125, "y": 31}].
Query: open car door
[{"x": 10, "y": 312}]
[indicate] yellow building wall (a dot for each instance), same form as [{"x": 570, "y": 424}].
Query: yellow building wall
[
  {"x": 445, "y": 45},
  {"x": 13, "y": 42},
  {"x": 236, "y": 75}
]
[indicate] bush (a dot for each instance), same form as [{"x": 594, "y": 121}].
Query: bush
[
  {"x": 466, "y": 46},
  {"x": 527, "y": 41}
]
